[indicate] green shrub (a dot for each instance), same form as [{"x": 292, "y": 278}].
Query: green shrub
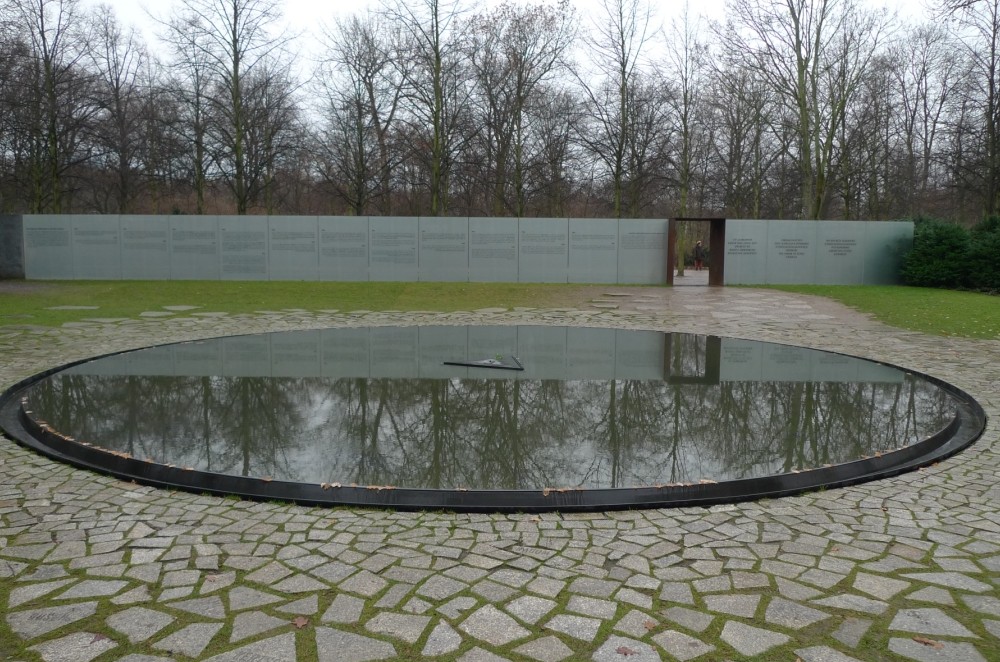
[
  {"x": 984, "y": 255},
  {"x": 940, "y": 256}
]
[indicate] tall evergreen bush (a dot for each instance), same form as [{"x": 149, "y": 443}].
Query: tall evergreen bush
[
  {"x": 940, "y": 256},
  {"x": 984, "y": 255}
]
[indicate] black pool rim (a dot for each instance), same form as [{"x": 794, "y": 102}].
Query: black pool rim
[{"x": 962, "y": 431}]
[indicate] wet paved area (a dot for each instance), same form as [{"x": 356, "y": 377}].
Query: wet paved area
[{"x": 93, "y": 568}]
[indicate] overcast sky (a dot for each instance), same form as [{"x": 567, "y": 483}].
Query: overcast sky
[{"x": 306, "y": 17}]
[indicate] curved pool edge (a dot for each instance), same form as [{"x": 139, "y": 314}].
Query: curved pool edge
[{"x": 965, "y": 429}]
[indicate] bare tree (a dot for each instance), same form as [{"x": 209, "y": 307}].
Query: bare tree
[
  {"x": 120, "y": 61},
  {"x": 512, "y": 50},
  {"x": 622, "y": 30},
  {"x": 56, "y": 102},
  {"x": 360, "y": 87},
  {"x": 230, "y": 41},
  {"x": 813, "y": 54},
  {"x": 434, "y": 87}
]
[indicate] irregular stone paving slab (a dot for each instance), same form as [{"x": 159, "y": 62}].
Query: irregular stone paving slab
[
  {"x": 92, "y": 588},
  {"x": 882, "y": 588},
  {"x": 210, "y": 607},
  {"x": 251, "y": 623},
  {"x": 364, "y": 583},
  {"x": 36, "y": 622},
  {"x": 595, "y": 588},
  {"x": 942, "y": 651},
  {"x": 491, "y": 625},
  {"x": 339, "y": 646},
  {"x": 950, "y": 580},
  {"x": 77, "y": 647},
  {"x": 578, "y": 627},
  {"x": 929, "y": 621},
  {"x": 734, "y": 605},
  {"x": 24, "y": 594},
  {"x": 854, "y": 603},
  {"x": 637, "y": 624},
  {"x": 983, "y": 604},
  {"x": 243, "y": 597},
  {"x": 407, "y": 627},
  {"x": 529, "y": 608},
  {"x": 932, "y": 594},
  {"x": 455, "y": 608},
  {"x": 299, "y": 584},
  {"x": 479, "y": 655},
  {"x": 281, "y": 647},
  {"x": 617, "y": 648},
  {"x": 692, "y": 619},
  {"x": 545, "y": 649},
  {"x": 139, "y": 623},
  {"x": 792, "y": 615},
  {"x": 442, "y": 640},
  {"x": 439, "y": 587},
  {"x": 344, "y": 609},
  {"x": 191, "y": 640},
  {"x": 852, "y": 631},
  {"x": 604, "y": 609},
  {"x": 750, "y": 641},
  {"x": 823, "y": 654},
  {"x": 682, "y": 646},
  {"x": 304, "y": 607}
]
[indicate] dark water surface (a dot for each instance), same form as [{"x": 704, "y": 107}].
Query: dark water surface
[{"x": 594, "y": 408}]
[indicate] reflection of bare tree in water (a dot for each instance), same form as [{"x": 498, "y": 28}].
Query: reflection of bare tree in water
[
  {"x": 258, "y": 419},
  {"x": 517, "y": 431}
]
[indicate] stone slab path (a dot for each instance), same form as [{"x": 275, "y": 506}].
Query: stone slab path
[{"x": 93, "y": 568}]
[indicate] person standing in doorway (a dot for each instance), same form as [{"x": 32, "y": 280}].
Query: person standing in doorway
[{"x": 699, "y": 256}]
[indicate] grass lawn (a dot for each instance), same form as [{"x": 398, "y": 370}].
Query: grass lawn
[
  {"x": 29, "y": 302},
  {"x": 933, "y": 311},
  {"x": 938, "y": 312}
]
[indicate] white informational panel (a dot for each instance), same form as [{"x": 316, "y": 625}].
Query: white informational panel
[
  {"x": 642, "y": 251},
  {"x": 346, "y": 352},
  {"x": 444, "y": 248},
  {"x": 593, "y": 250},
  {"x": 48, "y": 247},
  {"x": 840, "y": 252},
  {"x": 246, "y": 356},
  {"x": 791, "y": 252},
  {"x": 543, "y": 250},
  {"x": 145, "y": 247},
  {"x": 746, "y": 252},
  {"x": 493, "y": 250},
  {"x": 542, "y": 351},
  {"x": 151, "y": 362},
  {"x": 199, "y": 358},
  {"x": 243, "y": 247},
  {"x": 639, "y": 354},
  {"x": 343, "y": 248},
  {"x": 97, "y": 249},
  {"x": 439, "y": 344},
  {"x": 296, "y": 354},
  {"x": 394, "y": 351},
  {"x": 293, "y": 247},
  {"x": 393, "y": 241},
  {"x": 886, "y": 243},
  {"x": 741, "y": 360},
  {"x": 194, "y": 248},
  {"x": 590, "y": 353}
]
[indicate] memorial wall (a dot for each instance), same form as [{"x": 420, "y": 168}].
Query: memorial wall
[
  {"x": 436, "y": 249},
  {"x": 353, "y": 248},
  {"x": 815, "y": 252}
]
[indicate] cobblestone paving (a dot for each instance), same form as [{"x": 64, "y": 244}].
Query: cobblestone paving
[{"x": 93, "y": 568}]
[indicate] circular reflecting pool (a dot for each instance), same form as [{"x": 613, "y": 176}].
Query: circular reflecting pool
[{"x": 490, "y": 418}]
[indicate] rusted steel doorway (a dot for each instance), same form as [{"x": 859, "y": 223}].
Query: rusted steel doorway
[{"x": 716, "y": 247}]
